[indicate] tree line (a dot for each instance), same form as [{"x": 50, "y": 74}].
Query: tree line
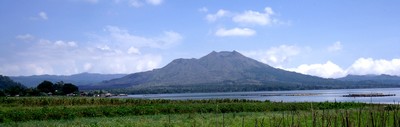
[{"x": 8, "y": 87}]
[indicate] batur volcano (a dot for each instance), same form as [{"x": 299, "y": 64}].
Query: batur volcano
[{"x": 219, "y": 72}]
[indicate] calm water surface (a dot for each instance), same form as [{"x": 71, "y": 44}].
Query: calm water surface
[{"x": 288, "y": 96}]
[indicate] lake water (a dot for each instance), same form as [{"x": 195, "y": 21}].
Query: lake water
[{"x": 288, "y": 96}]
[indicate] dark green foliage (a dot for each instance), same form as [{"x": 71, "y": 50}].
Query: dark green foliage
[
  {"x": 2, "y": 93},
  {"x": 69, "y": 88},
  {"x": 15, "y": 90},
  {"x": 32, "y": 92},
  {"x": 46, "y": 87},
  {"x": 59, "y": 88},
  {"x": 9, "y": 87}
]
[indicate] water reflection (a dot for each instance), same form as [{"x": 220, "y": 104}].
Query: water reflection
[{"x": 288, "y": 96}]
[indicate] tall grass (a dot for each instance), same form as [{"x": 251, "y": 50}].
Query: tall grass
[
  {"x": 56, "y": 108},
  {"x": 74, "y": 101},
  {"x": 369, "y": 117}
]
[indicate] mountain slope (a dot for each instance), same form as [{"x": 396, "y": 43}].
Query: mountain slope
[
  {"x": 77, "y": 79},
  {"x": 218, "y": 71},
  {"x": 386, "y": 79},
  {"x": 6, "y": 82}
]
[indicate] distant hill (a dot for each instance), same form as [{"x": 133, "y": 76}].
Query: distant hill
[
  {"x": 6, "y": 82},
  {"x": 385, "y": 79},
  {"x": 80, "y": 79},
  {"x": 220, "y": 71}
]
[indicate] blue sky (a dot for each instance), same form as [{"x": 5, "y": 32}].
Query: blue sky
[{"x": 323, "y": 38}]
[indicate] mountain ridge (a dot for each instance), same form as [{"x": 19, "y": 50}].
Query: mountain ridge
[
  {"x": 80, "y": 79},
  {"x": 6, "y": 82},
  {"x": 230, "y": 70},
  {"x": 383, "y": 78},
  {"x": 215, "y": 72}
]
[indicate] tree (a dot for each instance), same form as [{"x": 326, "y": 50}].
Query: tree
[
  {"x": 32, "y": 92},
  {"x": 58, "y": 88},
  {"x": 69, "y": 88},
  {"x": 46, "y": 87},
  {"x": 15, "y": 90},
  {"x": 2, "y": 93},
  {"x": 9, "y": 87}
]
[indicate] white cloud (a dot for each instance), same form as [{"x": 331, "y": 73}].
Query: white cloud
[
  {"x": 254, "y": 17},
  {"x": 248, "y": 18},
  {"x": 203, "y": 9},
  {"x": 337, "y": 46},
  {"x": 148, "y": 62},
  {"x": 135, "y": 3},
  {"x": 26, "y": 37},
  {"x": 140, "y": 3},
  {"x": 43, "y": 15},
  {"x": 87, "y": 67},
  {"x": 222, "y": 32},
  {"x": 26, "y": 68},
  {"x": 363, "y": 66},
  {"x": 39, "y": 69},
  {"x": 280, "y": 55},
  {"x": 124, "y": 63},
  {"x": 61, "y": 43},
  {"x": 56, "y": 44},
  {"x": 167, "y": 39},
  {"x": 118, "y": 51},
  {"x": 79, "y": 61},
  {"x": 275, "y": 56},
  {"x": 104, "y": 48},
  {"x": 213, "y": 17},
  {"x": 133, "y": 50},
  {"x": 121, "y": 51},
  {"x": 326, "y": 70},
  {"x": 154, "y": 2}
]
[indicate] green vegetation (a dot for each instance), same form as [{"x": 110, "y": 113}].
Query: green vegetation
[
  {"x": 59, "y": 88},
  {"x": 85, "y": 111},
  {"x": 8, "y": 87},
  {"x": 319, "y": 118},
  {"x": 79, "y": 111},
  {"x": 55, "y": 108}
]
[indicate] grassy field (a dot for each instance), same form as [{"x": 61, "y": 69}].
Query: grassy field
[
  {"x": 318, "y": 118},
  {"x": 75, "y": 111}
]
